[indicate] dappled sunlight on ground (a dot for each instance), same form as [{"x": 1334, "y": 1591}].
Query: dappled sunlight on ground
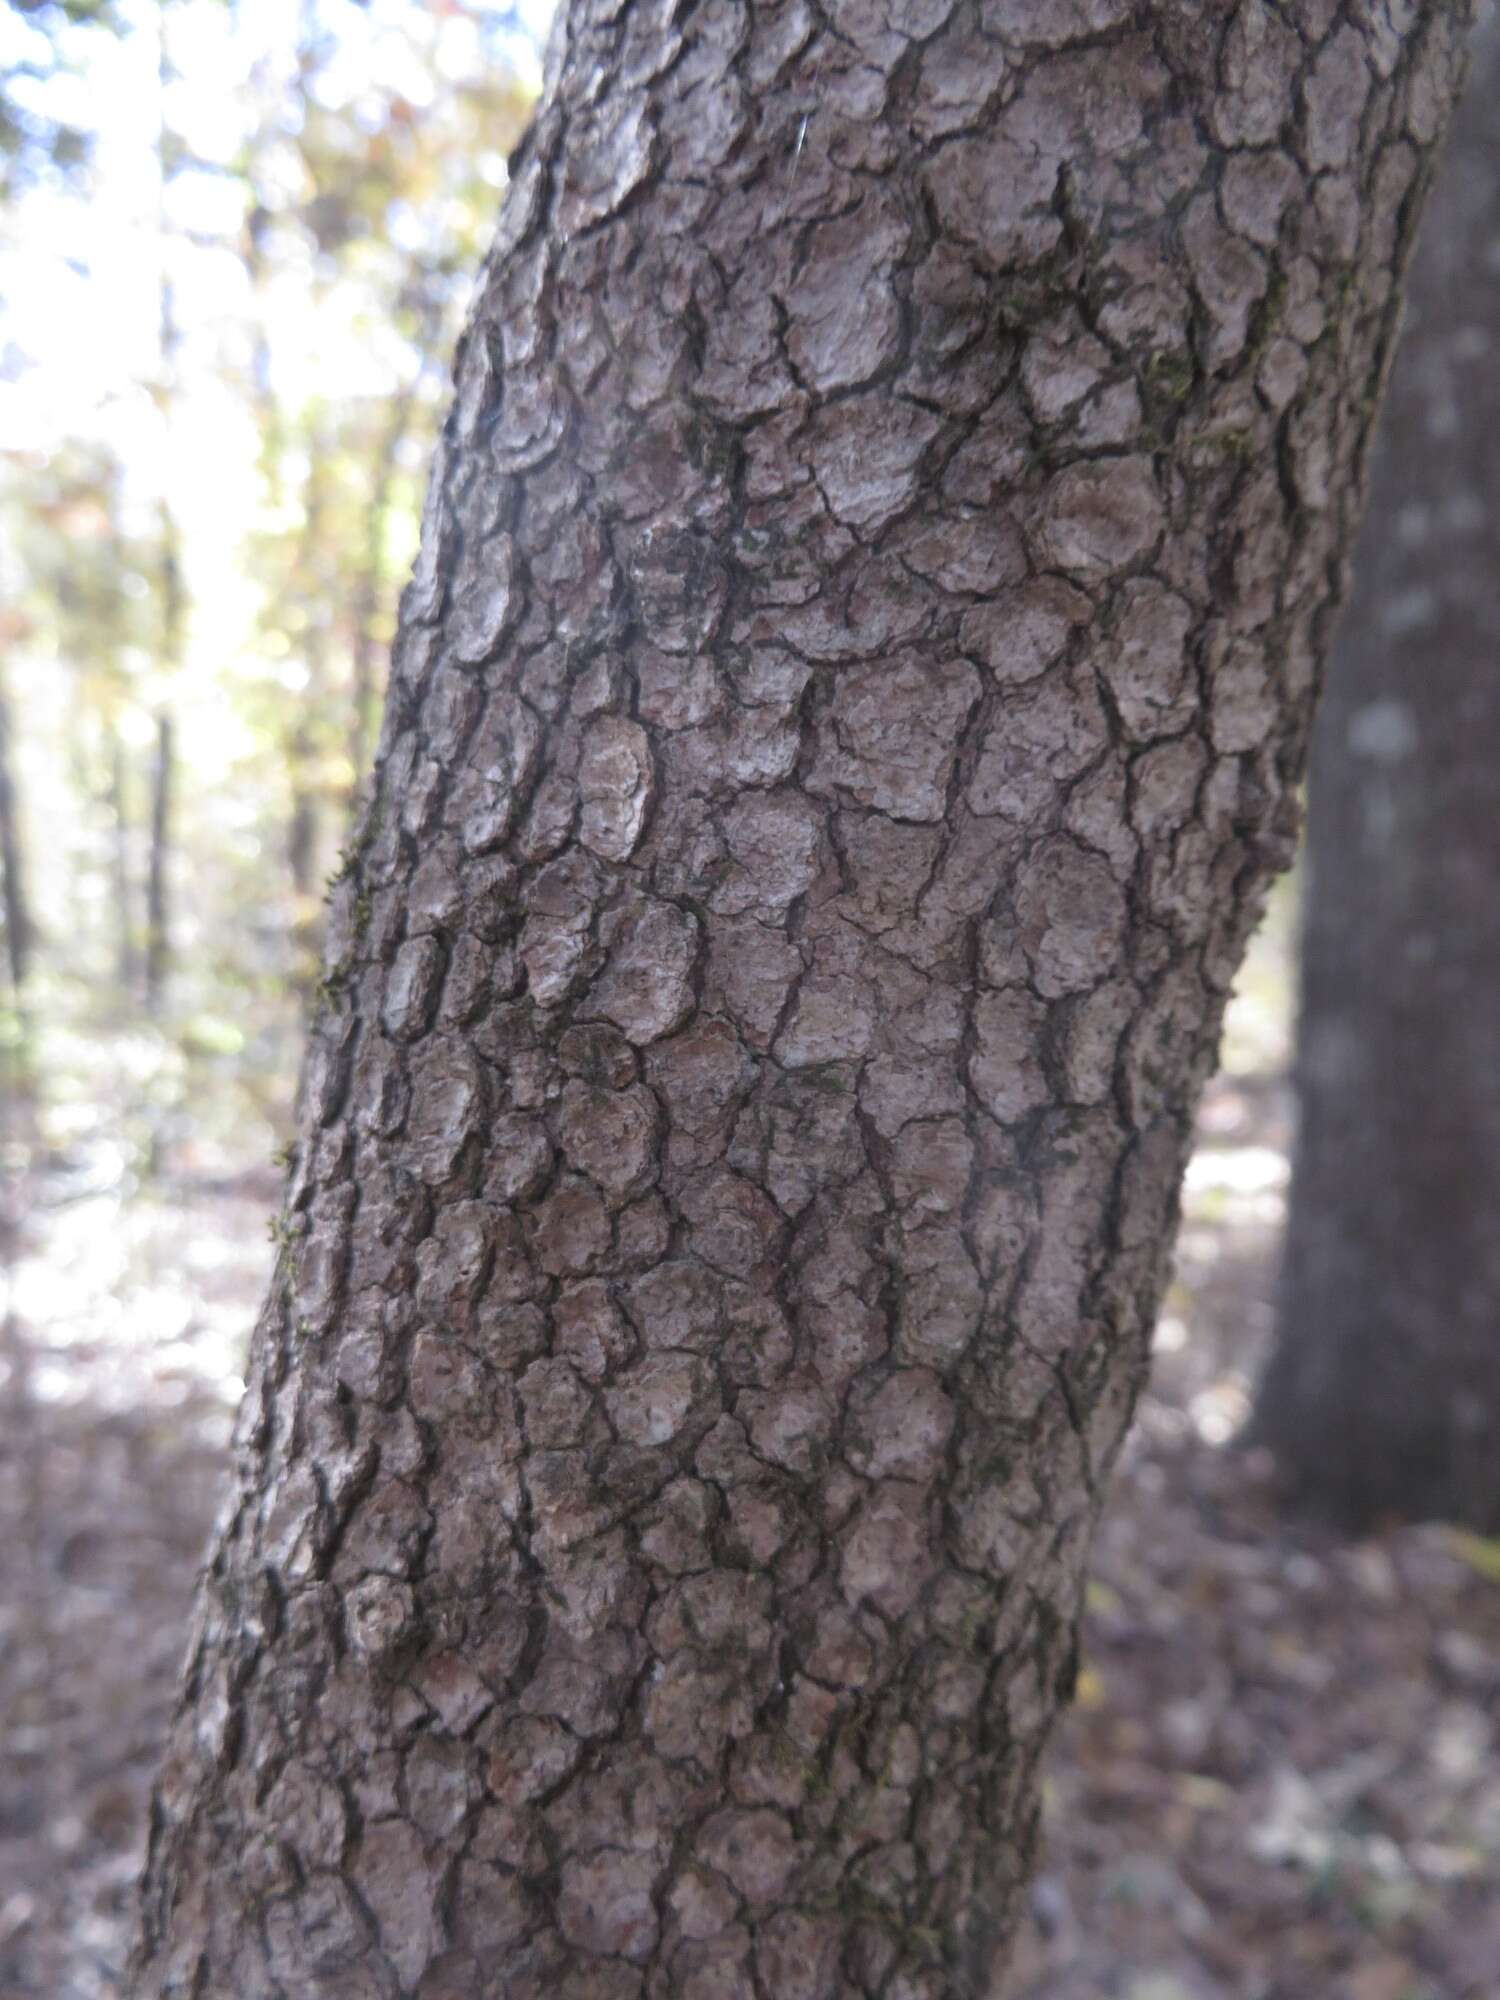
[
  {"x": 123, "y": 1309},
  {"x": 123, "y": 1323}
]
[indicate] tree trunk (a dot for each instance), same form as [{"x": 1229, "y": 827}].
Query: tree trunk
[
  {"x": 127, "y": 956},
  {"x": 303, "y": 825},
  {"x": 1383, "y": 1396},
  {"x": 306, "y": 737},
  {"x": 158, "y": 891},
  {"x": 847, "y": 708},
  {"x": 14, "y": 902},
  {"x": 368, "y": 603},
  {"x": 172, "y": 597}
]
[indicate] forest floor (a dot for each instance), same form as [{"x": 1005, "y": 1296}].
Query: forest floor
[{"x": 1279, "y": 1780}]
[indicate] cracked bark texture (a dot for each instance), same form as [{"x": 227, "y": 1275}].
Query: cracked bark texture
[
  {"x": 845, "y": 712},
  {"x": 1383, "y": 1395}
]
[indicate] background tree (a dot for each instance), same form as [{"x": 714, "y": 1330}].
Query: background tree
[
  {"x": 15, "y": 906},
  {"x": 846, "y": 710},
  {"x": 1383, "y": 1396}
]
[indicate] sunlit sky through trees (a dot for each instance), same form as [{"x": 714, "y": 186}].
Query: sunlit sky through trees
[{"x": 228, "y": 309}]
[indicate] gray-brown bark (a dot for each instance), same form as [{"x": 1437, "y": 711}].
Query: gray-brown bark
[
  {"x": 1383, "y": 1397},
  {"x": 844, "y": 715}
]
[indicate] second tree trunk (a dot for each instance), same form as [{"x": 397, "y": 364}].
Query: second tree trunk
[{"x": 1383, "y": 1398}]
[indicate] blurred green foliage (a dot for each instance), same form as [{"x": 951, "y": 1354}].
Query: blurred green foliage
[{"x": 234, "y": 302}]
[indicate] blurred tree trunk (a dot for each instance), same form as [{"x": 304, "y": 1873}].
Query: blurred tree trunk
[
  {"x": 14, "y": 900},
  {"x": 367, "y": 609},
  {"x": 311, "y": 719},
  {"x": 158, "y": 875},
  {"x": 170, "y": 586},
  {"x": 302, "y": 757},
  {"x": 127, "y": 956},
  {"x": 18, "y": 1081},
  {"x": 847, "y": 709},
  {"x": 1383, "y": 1397}
]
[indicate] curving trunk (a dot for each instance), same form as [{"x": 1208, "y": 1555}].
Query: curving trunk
[
  {"x": 846, "y": 711},
  {"x": 1383, "y": 1395}
]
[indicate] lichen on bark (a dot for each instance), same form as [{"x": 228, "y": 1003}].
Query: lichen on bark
[{"x": 846, "y": 709}]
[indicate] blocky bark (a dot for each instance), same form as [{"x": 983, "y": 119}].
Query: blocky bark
[
  {"x": 1383, "y": 1394},
  {"x": 845, "y": 713}
]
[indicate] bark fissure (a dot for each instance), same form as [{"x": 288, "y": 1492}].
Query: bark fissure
[{"x": 846, "y": 708}]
